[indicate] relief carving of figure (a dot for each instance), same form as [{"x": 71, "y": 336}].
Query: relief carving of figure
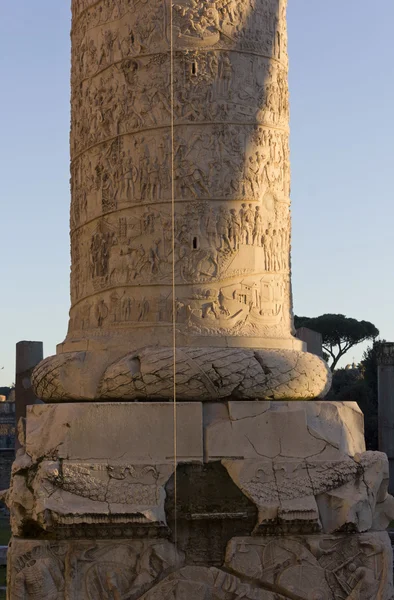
[
  {"x": 107, "y": 48},
  {"x": 211, "y": 228},
  {"x": 235, "y": 229},
  {"x": 39, "y": 575},
  {"x": 196, "y": 20},
  {"x": 226, "y": 74},
  {"x": 154, "y": 180},
  {"x": 223, "y": 229},
  {"x": 251, "y": 176},
  {"x": 126, "y": 304},
  {"x": 101, "y": 312},
  {"x": 191, "y": 179},
  {"x": 154, "y": 257},
  {"x": 115, "y": 307},
  {"x": 267, "y": 245},
  {"x": 131, "y": 43},
  {"x": 258, "y": 227},
  {"x": 129, "y": 178},
  {"x": 148, "y": 222},
  {"x": 99, "y": 252},
  {"x": 248, "y": 223},
  {"x": 136, "y": 261}
]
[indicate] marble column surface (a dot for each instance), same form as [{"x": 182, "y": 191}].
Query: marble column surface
[{"x": 180, "y": 212}]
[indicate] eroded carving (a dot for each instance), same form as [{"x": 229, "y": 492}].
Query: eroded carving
[
  {"x": 325, "y": 567},
  {"x": 298, "y": 568},
  {"x": 79, "y": 494},
  {"x": 299, "y": 495}
]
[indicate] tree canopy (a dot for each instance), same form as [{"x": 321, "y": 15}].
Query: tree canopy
[
  {"x": 339, "y": 333},
  {"x": 361, "y": 385}
]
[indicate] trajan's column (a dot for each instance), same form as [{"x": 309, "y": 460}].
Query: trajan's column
[
  {"x": 180, "y": 215},
  {"x": 180, "y": 290}
]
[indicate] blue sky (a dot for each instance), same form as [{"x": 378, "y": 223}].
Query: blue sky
[{"x": 342, "y": 123}]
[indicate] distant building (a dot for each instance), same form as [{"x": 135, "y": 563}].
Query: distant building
[
  {"x": 7, "y": 425},
  {"x": 7, "y": 442},
  {"x": 353, "y": 367},
  {"x": 313, "y": 340}
]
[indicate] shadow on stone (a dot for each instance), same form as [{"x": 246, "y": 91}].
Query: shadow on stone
[{"x": 210, "y": 510}]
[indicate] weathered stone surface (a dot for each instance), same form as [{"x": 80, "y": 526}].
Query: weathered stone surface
[
  {"x": 88, "y": 570},
  {"x": 287, "y": 429},
  {"x": 91, "y": 465},
  {"x": 298, "y": 567},
  {"x": 97, "y": 467},
  {"x": 206, "y": 509},
  {"x": 321, "y": 566},
  {"x": 180, "y": 212},
  {"x": 230, "y": 172},
  {"x": 341, "y": 424},
  {"x": 303, "y": 464},
  {"x": 65, "y": 497},
  {"x": 115, "y": 431},
  {"x": 201, "y": 373},
  {"x": 311, "y": 495}
]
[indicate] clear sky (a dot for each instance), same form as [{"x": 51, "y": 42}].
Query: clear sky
[{"x": 342, "y": 99}]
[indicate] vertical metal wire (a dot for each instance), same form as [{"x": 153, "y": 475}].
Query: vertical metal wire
[{"x": 173, "y": 268}]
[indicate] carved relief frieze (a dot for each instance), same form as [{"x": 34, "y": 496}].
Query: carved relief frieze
[
  {"x": 229, "y": 163},
  {"x": 245, "y": 308},
  {"x": 248, "y": 307},
  {"x": 180, "y": 176},
  {"x": 135, "y": 95},
  {"x": 325, "y": 567},
  {"x": 145, "y": 27},
  {"x": 211, "y": 242},
  {"x": 121, "y": 569},
  {"x": 302, "y": 567},
  {"x": 90, "y": 570},
  {"x": 38, "y": 572}
]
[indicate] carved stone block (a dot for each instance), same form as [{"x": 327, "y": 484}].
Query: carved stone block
[
  {"x": 87, "y": 469},
  {"x": 304, "y": 465},
  {"x": 320, "y": 567},
  {"x": 297, "y": 567},
  {"x": 137, "y": 432},
  {"x": 87, "y": 570},
  {"x": 287, "y": 429}
]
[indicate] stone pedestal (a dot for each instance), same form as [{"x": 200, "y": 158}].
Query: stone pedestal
[{"x": 270, "y": 499}]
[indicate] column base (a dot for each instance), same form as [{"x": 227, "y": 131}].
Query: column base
[{"x": 201, "y": 374}]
